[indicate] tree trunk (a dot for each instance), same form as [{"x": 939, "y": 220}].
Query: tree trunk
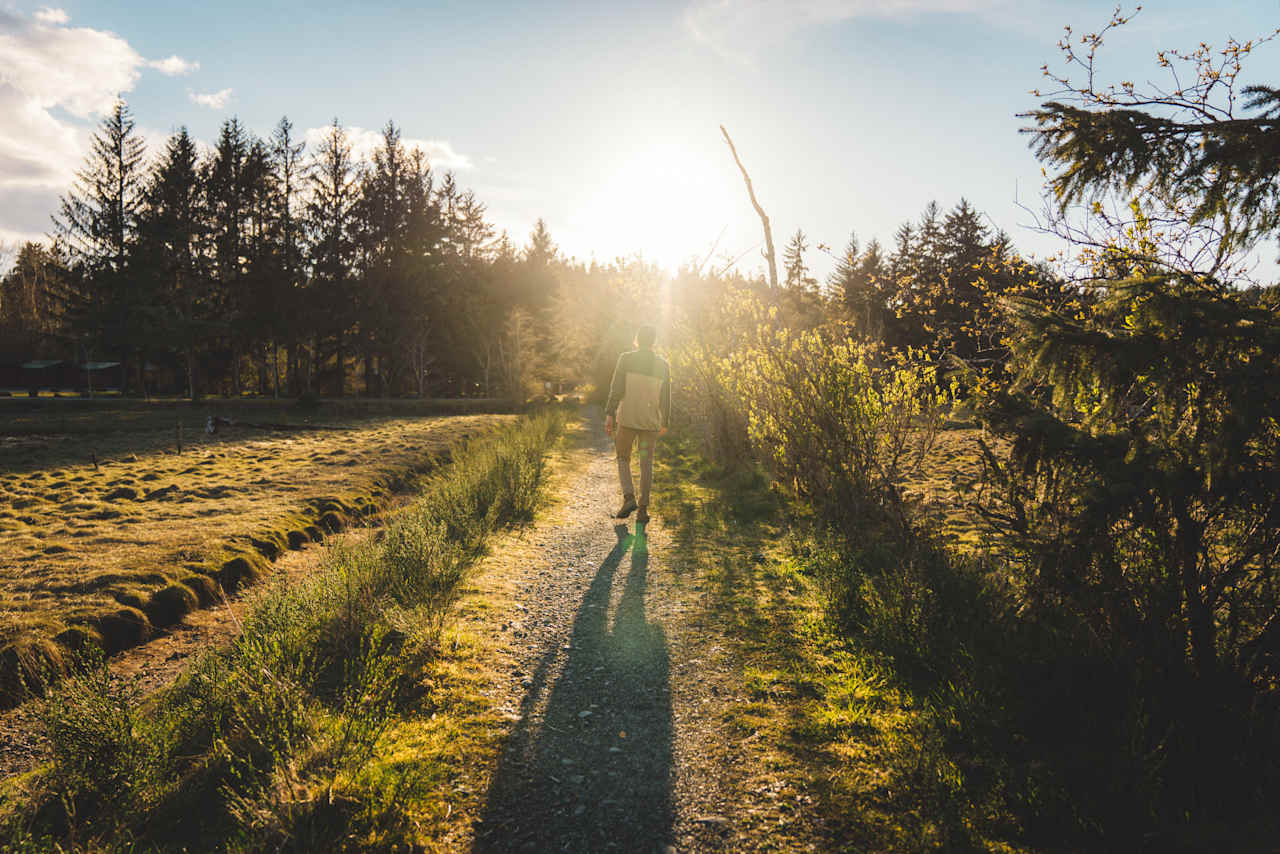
[
  {"x": 764, "y": 219},
  {"x": 191, "y": 375},
  {"x": 275, "y": 369},
  {"x": 235, "y": 368},
  {"x": 1187, "y": 537},
  {"x": 342, "y": 369}
]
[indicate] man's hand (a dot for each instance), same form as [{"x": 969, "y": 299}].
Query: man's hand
[
  {"x": 662, "y": 432},
  {"x": 608, "y": 426}
]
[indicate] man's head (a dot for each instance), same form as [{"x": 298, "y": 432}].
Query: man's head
[{"x": 644, "y": 337}]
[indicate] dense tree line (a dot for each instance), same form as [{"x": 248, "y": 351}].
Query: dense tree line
[{"x": 264, "y": 267}]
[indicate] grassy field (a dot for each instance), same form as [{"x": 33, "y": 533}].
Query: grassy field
[{"x": 107, "y": 531}]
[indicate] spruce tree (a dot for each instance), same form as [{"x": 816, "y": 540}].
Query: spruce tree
[
  {"x": 1144, "y": 491},
  {"x": 172, "y": 235},
  {"x": 97, "y": 224},
  {"x": 330, "y": 222},
  {"x": 797, "y": 276}
]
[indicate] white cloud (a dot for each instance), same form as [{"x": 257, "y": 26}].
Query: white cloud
[
  {"x": 439, "y": 153},
  {"x": 212, "y": 100},
  {"x": 52, "y": 17},
  {"x": 55, "y": 80},
  {"x": 740, "y": 29},
  {"x": 174, "y": 65}
]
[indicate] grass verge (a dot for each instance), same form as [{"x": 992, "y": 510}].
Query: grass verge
[{"x": 269, "y": 745}]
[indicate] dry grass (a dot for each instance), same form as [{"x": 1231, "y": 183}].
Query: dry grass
[{"x": 105, "y": 551}]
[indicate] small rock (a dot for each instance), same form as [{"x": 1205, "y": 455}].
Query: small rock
[
  {"x": 585, "y": 713},
  {"x": 579, "y": 809}
]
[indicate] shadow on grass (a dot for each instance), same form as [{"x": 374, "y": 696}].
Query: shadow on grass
[
  {"x": 924, "y": 710},
  {"x": 595, "y": 769}
]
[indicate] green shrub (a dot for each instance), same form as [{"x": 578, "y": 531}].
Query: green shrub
[{"x": 103, "y": 758}]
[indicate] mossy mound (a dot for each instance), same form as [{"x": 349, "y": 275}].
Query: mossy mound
[
  {"x": 27, "y": 665},
  {"x": 242, "y": 569},
  {"x": 298, "y": 538},
  {"x": 123, "y": 629},
  {"x": 170, "y": 604},
  {"x": 123, "y": 492},
  {"x": 204, "y": 587},
  {"x": 269, "y": 544},
  {"x": 129, "y": 598},
  {"x": 78, "y": 638}
]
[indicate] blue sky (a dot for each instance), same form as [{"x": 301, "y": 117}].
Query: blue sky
[{"x": 602, "y": 117}]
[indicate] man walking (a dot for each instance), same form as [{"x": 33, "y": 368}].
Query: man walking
[{"x": 638, "y": 412}]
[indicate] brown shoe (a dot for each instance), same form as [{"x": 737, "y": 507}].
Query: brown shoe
[
  {"x": 628, "y": 507},
  {"x": 642, "y": 518}
]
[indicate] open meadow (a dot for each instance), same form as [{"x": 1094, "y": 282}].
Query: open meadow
[{"x": 107, "y": 531}]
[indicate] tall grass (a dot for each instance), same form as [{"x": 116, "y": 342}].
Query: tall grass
[{"x": 265, "y": 744}]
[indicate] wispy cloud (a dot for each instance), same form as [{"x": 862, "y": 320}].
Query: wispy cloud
[
  {"x": 55, "y": 80},
  {"x": 213, "y": 100},
  {"x": 439, "y": 153},
  {"x": 174, "y": 65},
  {"x": 742, "y": 29}
]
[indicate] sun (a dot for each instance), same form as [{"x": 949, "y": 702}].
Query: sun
[{"x": 665, "y": 201}]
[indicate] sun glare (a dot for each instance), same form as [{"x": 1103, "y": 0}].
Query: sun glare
[{"x": 664, "y": 202}]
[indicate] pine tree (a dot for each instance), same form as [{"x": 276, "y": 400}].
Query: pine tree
[
  {"x": 331, "y": 223},
  {"x": 97, "y": 225},
  {"x": 1144, "y": 487},
  {"x": 290, "y": 174},
  {"x": 172, "y": 234},
  {"x": 229, "y": 203},
  {"x": 797, "y": 276},
  {"x": 542, "y": 249}
]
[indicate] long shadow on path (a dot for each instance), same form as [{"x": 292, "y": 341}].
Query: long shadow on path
[{"x": 594, "y": 772}]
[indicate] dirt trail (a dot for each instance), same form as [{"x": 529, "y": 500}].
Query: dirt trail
[{"x": 617, "y": 687}]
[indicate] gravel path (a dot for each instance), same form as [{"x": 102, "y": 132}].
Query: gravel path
[{"x": 616, "y": 690}]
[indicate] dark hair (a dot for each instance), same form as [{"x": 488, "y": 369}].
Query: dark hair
[{"x": 645, "y": 335}]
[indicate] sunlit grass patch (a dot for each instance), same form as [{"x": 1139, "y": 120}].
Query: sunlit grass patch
[
  {"x": 815, "y": 705},
  {"x": 947, "y": 483}
]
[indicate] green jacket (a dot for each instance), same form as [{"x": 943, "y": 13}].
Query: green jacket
[{"x": 640, "y": 394}]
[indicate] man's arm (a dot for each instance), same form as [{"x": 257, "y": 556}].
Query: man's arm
[
  {"x": 664, "y": 403},
  {"x": 617, "y": 388}
]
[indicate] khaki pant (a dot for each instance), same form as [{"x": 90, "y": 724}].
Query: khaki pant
[{"x": 624, "y": 438}]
